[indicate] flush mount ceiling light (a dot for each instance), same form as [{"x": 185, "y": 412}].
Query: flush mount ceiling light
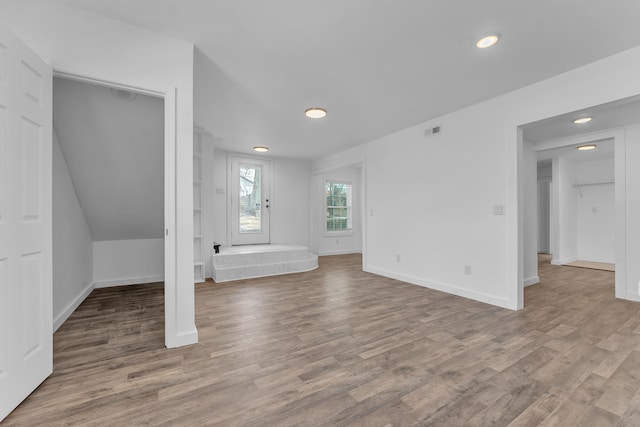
[
  {"x": 315, "y": 112},
  {"x": 582, "y": 120},
  {"x": 586, "y": 147},
  {"x": 487, "y": 41},
  {"x": 260, "y": 149}
]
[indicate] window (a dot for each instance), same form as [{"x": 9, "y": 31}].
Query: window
[{"x": 337, "y": 207}]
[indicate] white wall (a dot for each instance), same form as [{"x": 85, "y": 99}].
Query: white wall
[
  {"x": 101, "y": 133},
  {"x": 596, "y": 218},
  {"x": 530, "y": 230},
  {"x": 86, "y": 44},
  {"x": 544, "y": 216},
  {"x": 327, "y": 244},
  {"x": 566, "y": 210},
  {"x": 208, "y": 203},
  {"x": 432, "y": 197},
  {"x": 544, "y": 179},
  {"x": 72, "y": 243},
  {"x": 220, "y": 197},
  {"x": 127, "y": 262},
  {"x": 632, "y": 237},
  {"x": 289, "y": 203},
  {"x": 290, "y": 222}
]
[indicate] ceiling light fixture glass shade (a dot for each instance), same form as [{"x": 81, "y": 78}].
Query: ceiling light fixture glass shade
[
  {"x": 582, "y": 120},
  {"x": 315, "y": 112},
  {"x": 488, "y": 41},
  {"x": 260, "y": 149},
  {"x": 586, "y": 147}
]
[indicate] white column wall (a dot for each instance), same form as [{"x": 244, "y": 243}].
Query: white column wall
[
  {"x": 530, "y": 243},
  {"x": 567, "y": 211},
  {"x": 632, "y": 238}
]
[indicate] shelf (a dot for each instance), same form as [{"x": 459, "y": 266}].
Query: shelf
[{"x": 199, "y": 157}]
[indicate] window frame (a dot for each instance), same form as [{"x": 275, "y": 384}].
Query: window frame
[{"x": 349, "y": 207}]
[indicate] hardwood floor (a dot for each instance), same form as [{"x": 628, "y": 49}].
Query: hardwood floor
[{"x": 338, "y": 347}]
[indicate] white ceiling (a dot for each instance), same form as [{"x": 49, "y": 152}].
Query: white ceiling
[
  {"x": 114, "y": 150},
  {"x": 606, "y": 116},
  {"x": 605, "y": 150},
  {"x": 377, "y": 66}
]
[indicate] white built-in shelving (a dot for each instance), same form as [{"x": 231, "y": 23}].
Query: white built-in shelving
[{"x": 198, "y": 196}]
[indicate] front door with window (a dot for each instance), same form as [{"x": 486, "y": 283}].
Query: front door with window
[{"x": 249, "y": 201}]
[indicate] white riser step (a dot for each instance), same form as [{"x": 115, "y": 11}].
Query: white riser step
[
  {"x": 246, "y": 262},
  {"x": 260, "y": 254}
]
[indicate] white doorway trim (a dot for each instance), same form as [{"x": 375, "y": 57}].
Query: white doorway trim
[
  {"x": 619, "y": 137},
  {"x": 364, "y": 210},
  {"x": 173, "y": 338},
  {"x": 231, "y": 156}
]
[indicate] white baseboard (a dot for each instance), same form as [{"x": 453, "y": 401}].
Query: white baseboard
[
  {"x": 344, "y": 252},
  {"x": 60, "y": 319},
  {"x": 477, "y": 296},
  {"x": 531, "y": 281},
  {"x": 128, "y": 281},
  {"x": 605, "y": 261},
  {"x": 562, "y": 261},
  {"x": 180, "y": 340}
]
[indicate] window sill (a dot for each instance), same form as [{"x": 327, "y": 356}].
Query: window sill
[{"x": 338, "y": 233}]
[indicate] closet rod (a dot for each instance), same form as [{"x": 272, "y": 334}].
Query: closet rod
[
  {"x": 579, "y": 186},
  {"x": 593, "y": 183}
]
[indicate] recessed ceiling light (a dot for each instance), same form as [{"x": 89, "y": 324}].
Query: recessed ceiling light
[
  {"x": 315, "y": 112},
  {"x": 487, "y": 41},
  {"x": 582, "y": 120},
  {"x": 260, "y": 149},
  {"x": 586, "y": 147}
]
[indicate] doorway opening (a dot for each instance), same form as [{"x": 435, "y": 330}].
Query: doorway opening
[
  {"x": 108, "y": 198},
  {"x": 595, "y": 188}
]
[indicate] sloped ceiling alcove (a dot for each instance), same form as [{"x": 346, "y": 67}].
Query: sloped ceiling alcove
[{"x": 114, "y": 149}]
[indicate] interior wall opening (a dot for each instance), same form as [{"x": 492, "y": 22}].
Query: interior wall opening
[
  {"x": 109, "y": 190},
  {"x": 583, "y": 191}
]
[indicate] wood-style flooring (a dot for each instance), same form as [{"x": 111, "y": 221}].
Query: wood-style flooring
[{"x": 340, "y": 347}]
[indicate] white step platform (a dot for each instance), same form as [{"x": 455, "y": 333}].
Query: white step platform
[{"x": 250, "y": 261}]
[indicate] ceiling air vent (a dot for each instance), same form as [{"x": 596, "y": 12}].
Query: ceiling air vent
[{"x": 432, "y": 131}]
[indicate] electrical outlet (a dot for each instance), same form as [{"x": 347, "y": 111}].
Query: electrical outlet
[
  {"x": 467, "y": 270},
  {"x": 370, "y": 212},
  {"x": 337, "y": 241},
  {"x": 397, "y": 258}
]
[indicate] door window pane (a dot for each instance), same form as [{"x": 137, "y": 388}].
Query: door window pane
[{"x": 250, "y": 197}]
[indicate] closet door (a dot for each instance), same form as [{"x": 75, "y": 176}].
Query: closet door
[{"x": 26, "y": 278}]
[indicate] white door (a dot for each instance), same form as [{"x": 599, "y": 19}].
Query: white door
[
  {"x": 26, "y": 334},
  {"x": 250, "y": 201}
]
